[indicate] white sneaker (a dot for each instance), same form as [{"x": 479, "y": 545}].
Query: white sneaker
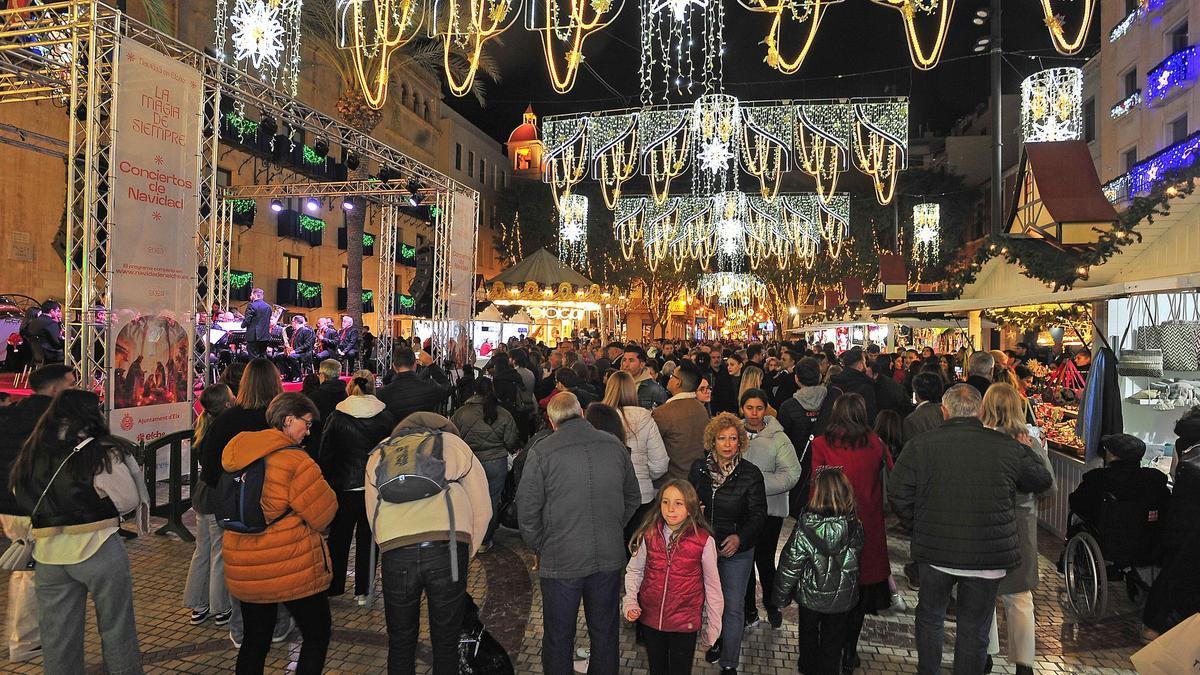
[
  {"x": 236, "y": 642},
  {"x": 361, "y": 600},
  {"x": 280, "y": 637},
  {"x": 583, "y": 653}
]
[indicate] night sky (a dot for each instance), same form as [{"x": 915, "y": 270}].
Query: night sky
[{"x": 859, "y": 51}]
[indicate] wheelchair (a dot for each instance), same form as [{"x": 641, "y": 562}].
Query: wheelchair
[{"x": 1124, "y": 538}]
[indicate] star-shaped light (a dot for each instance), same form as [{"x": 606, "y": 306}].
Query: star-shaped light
[
  {"x": 572, "y": 231},
  {"x": 715, "y": 155},
  {"x": 926, "y": 234},
  {"x": 1164, "y": 78},
  {"x": 678, "y": 7},
  {"x": 257, "y": 33}
]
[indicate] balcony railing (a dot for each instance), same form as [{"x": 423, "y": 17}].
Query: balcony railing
[
  {"x": 1124, "y": 25},
  {"x": 1117, "y": 189},
  {"x": 1146, "y": 173},
  {"x": 1175, "y": 73},
  {"x": 1126, "y": 106},
  {"x": 298, "y": 292}
]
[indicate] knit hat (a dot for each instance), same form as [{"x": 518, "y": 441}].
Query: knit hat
[{"x": 1124, "y": 446}]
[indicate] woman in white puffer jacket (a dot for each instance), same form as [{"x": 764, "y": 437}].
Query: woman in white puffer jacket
[{"x": 646, "y": 448}]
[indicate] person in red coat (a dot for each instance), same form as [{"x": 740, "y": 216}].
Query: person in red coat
[{"x": 849, "y": 443}]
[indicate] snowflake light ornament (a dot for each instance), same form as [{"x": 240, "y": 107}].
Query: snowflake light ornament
[
  {"x": 715, "y": 155},
  {"x": 257, "y": 33}
]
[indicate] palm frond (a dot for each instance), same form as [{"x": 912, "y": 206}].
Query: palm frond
[
  {"x": 319, "y": 23},
  {"x": 159, "y": 16}
]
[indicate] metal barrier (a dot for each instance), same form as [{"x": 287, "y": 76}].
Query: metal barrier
[{"x": 174, "y": 509}]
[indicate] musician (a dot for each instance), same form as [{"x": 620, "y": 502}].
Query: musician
[
  {"x": 302, "y": 341},
  {"x": 327, "y": 339},
  {"x": 348, "y": 342},
  {"x": 46, "y": 330},
  {"x": 257, "y": 323}
]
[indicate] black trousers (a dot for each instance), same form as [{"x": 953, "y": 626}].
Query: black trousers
[
  {"x": 256, "y": 348},
  {"x": 312, "y": 617},
  {"x": 351, "y": 522},
  {"x": 669, "y": 653},
  {"x": 764, "y": 560},
  {"x": 821, "y": 638},
  {"x": 409, "y": 572}
]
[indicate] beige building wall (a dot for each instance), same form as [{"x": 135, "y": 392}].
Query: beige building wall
[{"x": 415, "y": 121}]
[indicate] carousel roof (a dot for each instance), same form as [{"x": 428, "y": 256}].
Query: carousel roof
[{"x": 543, "y": 268}]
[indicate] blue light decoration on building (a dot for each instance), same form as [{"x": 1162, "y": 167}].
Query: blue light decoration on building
[
  {"x": 1149, "y": 171},
  {"x": 1177, "y": 71}
]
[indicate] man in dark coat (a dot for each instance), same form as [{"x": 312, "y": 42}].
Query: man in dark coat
[
  {"x": 783, "y": 383},
  {"x": 1123, "y": 479},
  {"x": 927, "y": 387},
  {"x": 854, "y": 378},
  {"x": 46, "y": 330},
  {"x": 955, "y": 487},
  {"x": 348, "y": 342},
  {"x": 257, "y": 323},
  {"x": 24, "y": 640},
  {"x": 979, "y": 371},
  {"x": 408, "y": 392},
  {"x": 889, "y": 394}
]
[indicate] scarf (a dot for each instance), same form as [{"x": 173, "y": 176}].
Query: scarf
[{"x": 714, "y": 469}]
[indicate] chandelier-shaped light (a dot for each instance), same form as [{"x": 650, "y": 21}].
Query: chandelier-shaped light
[
  {"x": 717, "y": 133},
  {"x": 806, "y": 14},
  {"x": 682, "y": 44},
  {"x": 927, "y": 232},
  {"x": 1067, "y": 44},
  {"x": 613, "y": 145},
  {"x": 732, "y": 289},
  {"x": 728, "y": 217},
  {"x": 468, "y": 25},
  {"x": 266, "y": 35},
  {"x": 665, "y": 136},
  {"x": 372, "y": 30},
  {"x": 572, "y": 231},
  {"x": 564, "y": 25},
  {"x": 927, "y": 56},
  {"x": 823, "y": 142},
  {"x": 1052, "y": 105},
  {"x": 565, "y": 161},
  {"x": 881, "y": 143}
]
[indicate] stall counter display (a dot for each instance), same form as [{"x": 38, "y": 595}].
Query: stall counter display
[{"x": 1058, "y": 425}]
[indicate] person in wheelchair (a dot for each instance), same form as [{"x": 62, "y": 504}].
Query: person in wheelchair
[{"x": 1122, "y": 504}]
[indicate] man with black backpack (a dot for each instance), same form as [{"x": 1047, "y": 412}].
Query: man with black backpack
[{"x": 428, "y": 502}]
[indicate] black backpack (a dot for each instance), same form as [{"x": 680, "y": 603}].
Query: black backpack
[{"x": 237, "y": 503}]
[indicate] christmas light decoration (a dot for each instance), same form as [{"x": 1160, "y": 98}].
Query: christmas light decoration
[
  {"x": 1126, "y": 106},
  {"x": 665, "y": 136},
  {"x": 468, "y": 25},
  {"x": 264, "y": 33},
  {"x": 372, "y": 30},
  {"x": 311, "y": 224},
  {"x": 717, "y": 132},
  {"x": 1149, "y": 171},
  {"x": 308, "y": 291},
  {"x": 1058, "y": 35},
  {"x": 564, "y": 25},
  {"x": 240, "y": 279},
  {"x": 613, "y": 142},
  {"x": 565, "y": 160},
  {"x": 729, "y": 217},
  {"x": 1177, "y": 71},
  {"x": 1052, "y": 105},
  {"x": 731, "y": 289},
  {"x": 792, "y": 12},
  {"x": 767, "y": 141},
  {"x": 881, "y": 143},
  {"x": 823, "y": 142},
  {"x": 627, "y": 225},
  {"x": 926, "y": 232},
  {"x": 1124, "y": 25},
  {"x": 682, "y": 44},
  {"x": 923, "y": 58},
  {"x": 572, "y": 231}
]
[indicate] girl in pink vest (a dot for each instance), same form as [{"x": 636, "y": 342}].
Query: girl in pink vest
[{"x": 671, "y": 583}]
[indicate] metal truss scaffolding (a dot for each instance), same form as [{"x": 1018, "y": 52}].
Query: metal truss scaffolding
[{"x": 66, "y": 51}]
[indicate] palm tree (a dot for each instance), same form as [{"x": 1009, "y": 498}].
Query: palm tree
[{"x": 319, "y": 23}]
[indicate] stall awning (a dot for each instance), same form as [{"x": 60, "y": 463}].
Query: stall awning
[
  {"x": 1089, "y": 294},
  {"x": 1059, "y": 196},
  {"x": 542, "y": 268}
]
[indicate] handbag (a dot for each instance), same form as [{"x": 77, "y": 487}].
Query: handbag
[
  {"x": 1180, "y": 336},
  {"x": 1140, "y": 362},
  {"x": 1148, "y": 336},
  {"x": 18, "y": 557}
]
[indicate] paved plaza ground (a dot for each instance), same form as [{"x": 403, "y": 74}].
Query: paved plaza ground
[{"x": 508, "y": 594}]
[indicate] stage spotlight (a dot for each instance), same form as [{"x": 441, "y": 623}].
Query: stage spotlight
[
  {"x": 352, "y": 161},
  {"x": 276, "y": 205},
  {"x": 321, "y": 148},
  {"x": 312, "y": 205},
  {"x": 348, "y": 205},
  {"x": 415, "y": 189}
]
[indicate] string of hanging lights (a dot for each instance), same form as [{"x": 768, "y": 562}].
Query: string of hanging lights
[
  {"x": 731, "y": 289},
  {"x": 572, "y": 231},
  {"x": 266, "y": 35},
  {"x": 1058, "y": 34},
  {"x": 372, "y": 34},
  {"x": 926, "y": 232}
]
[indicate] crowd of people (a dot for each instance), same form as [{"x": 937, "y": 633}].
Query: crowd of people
[{"x": 651, "y": 482}]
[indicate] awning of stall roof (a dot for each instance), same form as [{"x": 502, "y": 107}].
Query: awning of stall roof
[
  {"x": 520, "y": 316},
  {"x": 490, "y": 313}
]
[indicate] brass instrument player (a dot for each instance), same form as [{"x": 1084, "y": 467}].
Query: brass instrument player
[
  {"x": 299, "y": 344},
  {"x": 327, "y": 339}
]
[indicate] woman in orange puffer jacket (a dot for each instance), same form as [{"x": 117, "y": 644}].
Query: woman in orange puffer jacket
[{"x": 288, "y": 562}]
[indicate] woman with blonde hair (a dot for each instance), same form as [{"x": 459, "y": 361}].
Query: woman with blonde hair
[
  {"x": 734, "y": 498},
  {"x": 752, "y": 378},
  {"x": 1004, "y": 411},
  {"x": 646, "y": 448}
]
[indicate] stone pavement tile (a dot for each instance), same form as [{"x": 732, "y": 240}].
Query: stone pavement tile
[{"x": 510, "y": 600}]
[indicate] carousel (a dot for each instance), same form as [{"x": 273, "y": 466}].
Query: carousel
[{"x": 557, "y": 300}]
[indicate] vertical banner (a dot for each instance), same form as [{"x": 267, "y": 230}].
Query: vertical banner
[
  {"x": 461, "y": 304},
  {"x": 156, "y": 179}
]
